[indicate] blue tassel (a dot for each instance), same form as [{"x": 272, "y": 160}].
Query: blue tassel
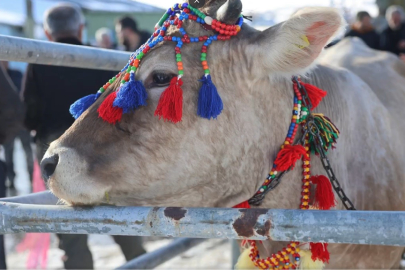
[
  {"x": 209, "y": 102},
  {"x": 131, "y": 95},
  {"x": 80, "y": 106}
]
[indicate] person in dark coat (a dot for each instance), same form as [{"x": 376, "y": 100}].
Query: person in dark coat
[
  {"x": 48, "y": 93},
  {"x": 363, "y": 29},
  {"x": 11, "y": 119},
  {"x": 393, "y": 37},
  {"x": 129, "y": 35},
  {"x": 23, "y": 135}
]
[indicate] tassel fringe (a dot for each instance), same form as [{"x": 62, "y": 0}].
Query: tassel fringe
[
  {"x": 170, "y": 106},
  {"x": 209, "y": 102},
  {"x": 288, "y": 156},
  {"x": 328, "y": 131},
  {"x": 131, "y": 95},
  {"x": 324, "y": 196},
  {"x": 108, "y": 112},
  {"x": 320, "y": 252},
  {"x": 306, "y": 261},
  {"x": 314, "y": 94},
  {"x": 244, "y": 205},
  {"x": 81, "y": 105}
]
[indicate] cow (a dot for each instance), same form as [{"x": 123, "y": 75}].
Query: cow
[
  {"x": 144, "y": 161},
  {"x": 384, "y": 72}
]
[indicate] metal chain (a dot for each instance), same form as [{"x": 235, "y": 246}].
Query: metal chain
[
  {"x": 332, "y": 177},
  {"x": 258, "y": 198},
  {"x": 313, "y": 129},
  {"x": 305, "y": 99}
]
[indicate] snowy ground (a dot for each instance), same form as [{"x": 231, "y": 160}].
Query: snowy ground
[{"x": 213, "y": 254}]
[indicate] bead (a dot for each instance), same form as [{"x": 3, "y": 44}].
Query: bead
[{"x": 208, "y": 20}]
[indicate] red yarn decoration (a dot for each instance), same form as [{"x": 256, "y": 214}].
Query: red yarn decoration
[
  {"x": 320, "y": 252},
  {"x": 244, "y": 205},
  {"x": 314, "y": 94},
  {"x": 170, "y": 106},
  {"x": 108, "y": 112},
  {"x": 288, "y": 156},
  {"x": 324, "y": 196}
]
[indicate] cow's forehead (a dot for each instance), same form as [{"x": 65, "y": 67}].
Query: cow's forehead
[{"x": 132, "y": 93}]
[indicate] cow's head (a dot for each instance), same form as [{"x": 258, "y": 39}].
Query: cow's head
[{"x": 198, "y": 162}]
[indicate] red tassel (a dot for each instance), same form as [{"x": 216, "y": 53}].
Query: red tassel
[
  {"x": 170, "y": 106},
  {"x": 314, "y": 94},
  {"x": 320, "y": 252},
  {"x": 108, "y": 112},
  {"x": 324, "y": 196},
  {"x": 288, "y": 156},
  {"x": 244, "y": 205}
]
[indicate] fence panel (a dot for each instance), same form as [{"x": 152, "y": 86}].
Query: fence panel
[
  {"x": 57, "y": 54},
  {"x": 353, "y": 227}
]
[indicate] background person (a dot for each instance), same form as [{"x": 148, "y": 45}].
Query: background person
[
  {"x": 104, "y": 38},
  {"x": 23, "y": 135},
  {"x": 129, "y": 35},
  {"x": 393, "y": 37},
  {"x": 48, "y": 93},
  {"x": 364, "y": 29},
  {"x": 11, "y": 118}
]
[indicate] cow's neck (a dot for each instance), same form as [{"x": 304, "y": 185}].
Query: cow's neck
[{"x": 277, "y": 100}]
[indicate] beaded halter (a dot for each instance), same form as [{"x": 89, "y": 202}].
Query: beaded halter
[
  {"x": 313, "y": 255},
  {"x": 132, "y": 93}
]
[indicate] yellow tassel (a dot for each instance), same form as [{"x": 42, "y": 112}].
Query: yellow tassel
[
  {"x": 245, "y": 262},
  {"x": 306, "y": 261}
]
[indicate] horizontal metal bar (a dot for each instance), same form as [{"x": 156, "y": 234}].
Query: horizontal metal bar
[
  {"x": 155, "y": 258},
  {"x": 57, "y": 54},
  {"x": 43, "y": 198},
  {"x": 353, "y": 227}
]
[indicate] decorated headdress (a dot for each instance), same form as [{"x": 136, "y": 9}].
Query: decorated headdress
[{"x": 132, "y": 94}]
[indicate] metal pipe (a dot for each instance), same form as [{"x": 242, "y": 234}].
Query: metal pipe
[
  {"x": 155, "y": 258},
  {"x": 42, "y": 198},
  {"x": 352, "y": 227},
  {"x": 57, "y": 54}
]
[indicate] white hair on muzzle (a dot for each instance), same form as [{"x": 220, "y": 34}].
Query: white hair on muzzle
[
  {"x": 394, "y": 9},
  {"x": 64, "y": 19}
]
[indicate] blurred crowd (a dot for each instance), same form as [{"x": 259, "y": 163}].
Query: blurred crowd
[
  {"x": 36, "y": 112},
  {"x": 35, "y": 106},
  {"x": 390, "y": 39}
]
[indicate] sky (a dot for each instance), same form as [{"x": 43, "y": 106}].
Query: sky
[{"x": 285, "y": 7}]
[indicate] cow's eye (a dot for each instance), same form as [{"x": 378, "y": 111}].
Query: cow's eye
[{"x": 161, "y": 79}]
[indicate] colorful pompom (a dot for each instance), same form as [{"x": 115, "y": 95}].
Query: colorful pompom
[
  {"x": 209, "y": 102},
  {"x": 81, "y": 105},
  {"x": 315, "y": 94},
  {"x": 288, "y": 156},
  {"x": 320, "y": 252},
  {"x": 170, "y": 106},
  {"x": 131, "y": 95},
  {"x": 324, "y": 196},
  {"x": 108, "y": 112}
]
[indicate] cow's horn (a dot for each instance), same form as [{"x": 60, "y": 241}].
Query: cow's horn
[{"x": 230, "y": 11}]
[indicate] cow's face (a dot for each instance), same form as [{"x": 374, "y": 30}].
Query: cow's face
[{"x": 145, "y": 161}]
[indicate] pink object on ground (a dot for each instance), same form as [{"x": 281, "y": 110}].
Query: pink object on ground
[{"x": 37, "y": 243}]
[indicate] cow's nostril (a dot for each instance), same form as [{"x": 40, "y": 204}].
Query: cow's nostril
[{"x": 48, "y": 166}]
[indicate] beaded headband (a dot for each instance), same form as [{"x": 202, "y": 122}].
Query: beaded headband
[{"x": 132, "y": 94}]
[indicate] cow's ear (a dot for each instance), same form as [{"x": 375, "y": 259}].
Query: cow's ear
[{"x": 293, "y": 46}]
